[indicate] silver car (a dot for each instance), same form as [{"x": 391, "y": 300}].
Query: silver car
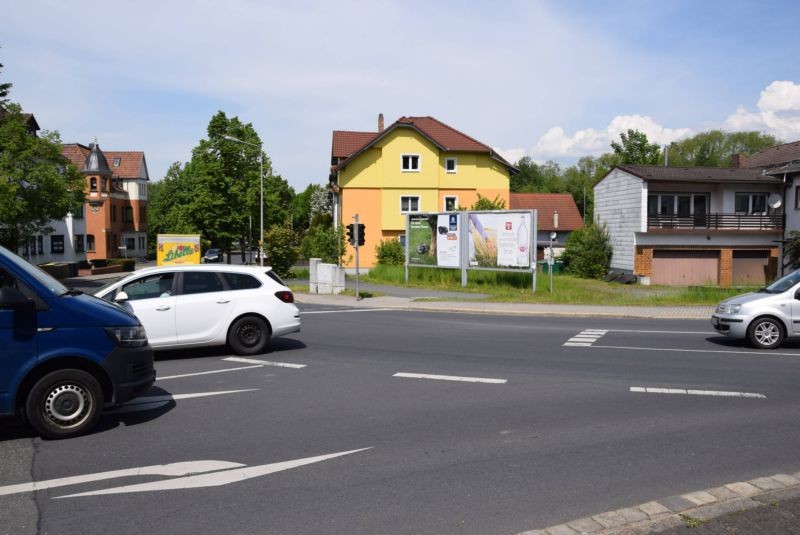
[{"x": 765, "y": 317}]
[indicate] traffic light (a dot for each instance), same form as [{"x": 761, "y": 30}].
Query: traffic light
[
  {"x": 361, "y": 233},
  {"x": 351, "y": 238}
]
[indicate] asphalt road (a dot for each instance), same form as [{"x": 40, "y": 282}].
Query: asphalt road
[{"x": 534, "y": 433}]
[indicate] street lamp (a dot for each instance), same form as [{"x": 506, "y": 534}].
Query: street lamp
[{"x": 261, "y": 204}]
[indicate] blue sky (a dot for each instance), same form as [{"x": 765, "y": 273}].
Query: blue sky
[{"x": 552, "y": 80}]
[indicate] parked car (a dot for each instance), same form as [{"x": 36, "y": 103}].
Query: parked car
[
  {"x": 200, "y": 305},
  {"x": 766, "y": 318},
  {"x": 65, "y": 355},
  {"x": 212, "y": 255}
]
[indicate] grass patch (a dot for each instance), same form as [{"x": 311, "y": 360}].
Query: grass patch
[
  {"x": 516, "y": 288},
  {"x": 692, "y": 522}
]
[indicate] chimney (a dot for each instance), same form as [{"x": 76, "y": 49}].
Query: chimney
[
  {"x": 555, "y": 218},
  {"x": 738, "y": 160},
  {"x": 380, "y": 123}
]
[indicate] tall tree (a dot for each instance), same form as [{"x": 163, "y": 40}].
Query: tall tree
[
  {"x": 4, "y": 90},
  {"x": 38, "y": 184},
  {"x": 536, "y": 178},
  {"x": 634, "y": 148},
  {"x": 715, "y": 147}
]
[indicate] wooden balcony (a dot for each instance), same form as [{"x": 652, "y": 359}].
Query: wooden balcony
[{"x": 768, "y": 222}]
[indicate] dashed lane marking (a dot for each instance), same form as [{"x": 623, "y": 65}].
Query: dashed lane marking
[
  {"x": 689, "y": 392},
  {"x": 265, "y": 362},
  {"x": 206, "y": 373},
  {"x": 450, "y": 378},
  {"x": 148, "y": 403}
]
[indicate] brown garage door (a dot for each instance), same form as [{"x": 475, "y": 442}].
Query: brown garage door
[
  {"x": 684, "y": 268},
  {"x": 750, "y": 267}
]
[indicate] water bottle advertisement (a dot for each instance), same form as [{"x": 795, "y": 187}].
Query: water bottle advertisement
[{"x": 499, "y": 239}]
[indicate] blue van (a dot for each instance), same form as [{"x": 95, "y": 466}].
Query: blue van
[{"x": 65, "y": 354}]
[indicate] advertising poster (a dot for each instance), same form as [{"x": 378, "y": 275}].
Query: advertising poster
[
  {"x": 177, "y": 249},
  {"x": 421, "y": 241},
  {"x": 499, "y": 240},
  {"x": 447, "y": 242}
]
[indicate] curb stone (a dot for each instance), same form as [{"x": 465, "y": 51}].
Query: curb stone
[{"x": 673, "y": 511}]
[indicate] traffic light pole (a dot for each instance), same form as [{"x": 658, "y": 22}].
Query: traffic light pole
[{"x": 357, "y": 239}]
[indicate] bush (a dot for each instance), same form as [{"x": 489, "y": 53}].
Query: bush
[
  {"x": 325, "y": 243},
  {"x": 128, "y": 264},
  {"x": 390, "y": 253},
  {"x": 588, "y": 252},
  {"x": 280, "y": 247},
  {"x": 99, "y": 262}
]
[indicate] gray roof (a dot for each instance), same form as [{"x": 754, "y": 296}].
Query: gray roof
[
  {"x": 785, "y": 153},
  {"x": 700, "y": 174},
  {"x": 96, "y": 163}
]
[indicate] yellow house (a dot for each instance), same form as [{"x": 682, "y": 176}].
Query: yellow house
[{"x": 417, "y": 164}]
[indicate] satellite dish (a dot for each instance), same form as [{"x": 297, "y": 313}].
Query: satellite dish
[{"x": 774, "y": 201}]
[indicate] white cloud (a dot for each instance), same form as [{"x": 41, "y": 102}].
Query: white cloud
[{"x": 778, "y": 112}]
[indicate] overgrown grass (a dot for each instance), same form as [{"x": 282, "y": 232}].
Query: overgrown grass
[{"x": 516, "y": 287}]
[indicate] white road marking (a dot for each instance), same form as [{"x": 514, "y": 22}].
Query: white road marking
[
  {"x": 661, "y": 332},
  {"x": 340, "y": 311},
  {"x": 265, "y": 362},
  {"x": 450, "y": 378},
  {"x": 174, "y": 469},
  {"x": 206, "y": 373},
  {"x": 148, "y": 403},
  {"x": 766, "y": 353},
  {"x": 650, "y": 390},
  {"x": 215, "y": 479},
  {"x": 585, "y": 338}
]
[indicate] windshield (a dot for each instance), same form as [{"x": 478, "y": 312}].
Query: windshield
[
  {"x": 41, "y": 277},
  {"x": 784, "y": 283}
]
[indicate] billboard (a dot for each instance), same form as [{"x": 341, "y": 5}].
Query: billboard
[
  {"x": 174, "y": 249},
  {"x": 500, "y": 239},
  {"x": 434, "y": 240}
]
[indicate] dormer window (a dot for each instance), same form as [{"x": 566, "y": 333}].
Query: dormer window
[
  {"x": 116, "y": 161},
  {"x": 410, "y": 163}
]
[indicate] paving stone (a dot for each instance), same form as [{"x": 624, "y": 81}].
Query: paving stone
[
  {"x": 610, "y": 519},
  {"x": 744, "y": 489},
  {"x": 561, "y": 529},
  {"x": 700, "y": 497},
  {"x": 534, "y": 532},
  {"x": 787, "y": 479},
  {"x": 723, "y": 493},
  {"x": 631, "y": 514},
  {"x": 676, "y": 503},
  {"x": 585, "y": 525},
  {"x": 653, "y": 508},
  {"x": 767, "y": 483}
]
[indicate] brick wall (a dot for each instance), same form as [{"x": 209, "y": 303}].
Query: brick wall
[
  {"x": 725, "y": 267},
  {"x": 643, "y": 261}
]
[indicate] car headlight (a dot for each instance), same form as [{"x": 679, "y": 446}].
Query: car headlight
[
  {"x": 132, "y": 336},
  {"x": 729, "y": 309}
]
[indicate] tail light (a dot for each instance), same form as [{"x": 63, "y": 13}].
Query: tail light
[{"x": 285, "y": 296}]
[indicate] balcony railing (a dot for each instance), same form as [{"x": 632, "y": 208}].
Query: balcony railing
[{"x": 773, "y": 222}]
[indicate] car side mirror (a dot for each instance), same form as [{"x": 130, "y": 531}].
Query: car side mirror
[
  {"x": 121, "y": 297},
  {"x": 11, "y": 298}
]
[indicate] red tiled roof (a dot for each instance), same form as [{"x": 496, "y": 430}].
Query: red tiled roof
[
  {"x": 569, "y": 218},
  {"x": 775, "y": 155},
  {"x": 346, "y": 143},
  {"x": 131, "y": 163},
  {"x": 444, "y": 136}
]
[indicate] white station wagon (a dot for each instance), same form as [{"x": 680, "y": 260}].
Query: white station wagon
[{"x": 205, "y": 305}]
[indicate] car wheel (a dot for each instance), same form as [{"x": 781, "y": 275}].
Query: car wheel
[
  {"x": 766, "y": 333},
  {"x": 64, "y": 403},
  {"x": 249, "y": 335}
]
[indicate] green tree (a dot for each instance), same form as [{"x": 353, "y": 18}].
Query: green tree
[
  {"x": 715, "y": 147},
  {"x": 634, "y": 148},
  {"x": 791, "y": 250},
  {"x": 5, "y": 88},
  {"x": 536, "y": 178},
  {"x": 484, "y": 203},
  {"x": 587, "y": 252},
  {"x": 168, "y": 204},
  {"x": 38, "y": 184},
  {"x": 280, "y": 246},
  {"x": 325, "y": 242}
]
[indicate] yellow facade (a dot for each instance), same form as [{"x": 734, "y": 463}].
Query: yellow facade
[{"x": 373, "y": 183}]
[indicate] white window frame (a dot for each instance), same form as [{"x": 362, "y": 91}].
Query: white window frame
[
  {"x": 411, "y": 169},
  {"x": 409, "y": 197},
  {"x": 455, "y": 165},
  {"x": 444, "y": 204}
]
